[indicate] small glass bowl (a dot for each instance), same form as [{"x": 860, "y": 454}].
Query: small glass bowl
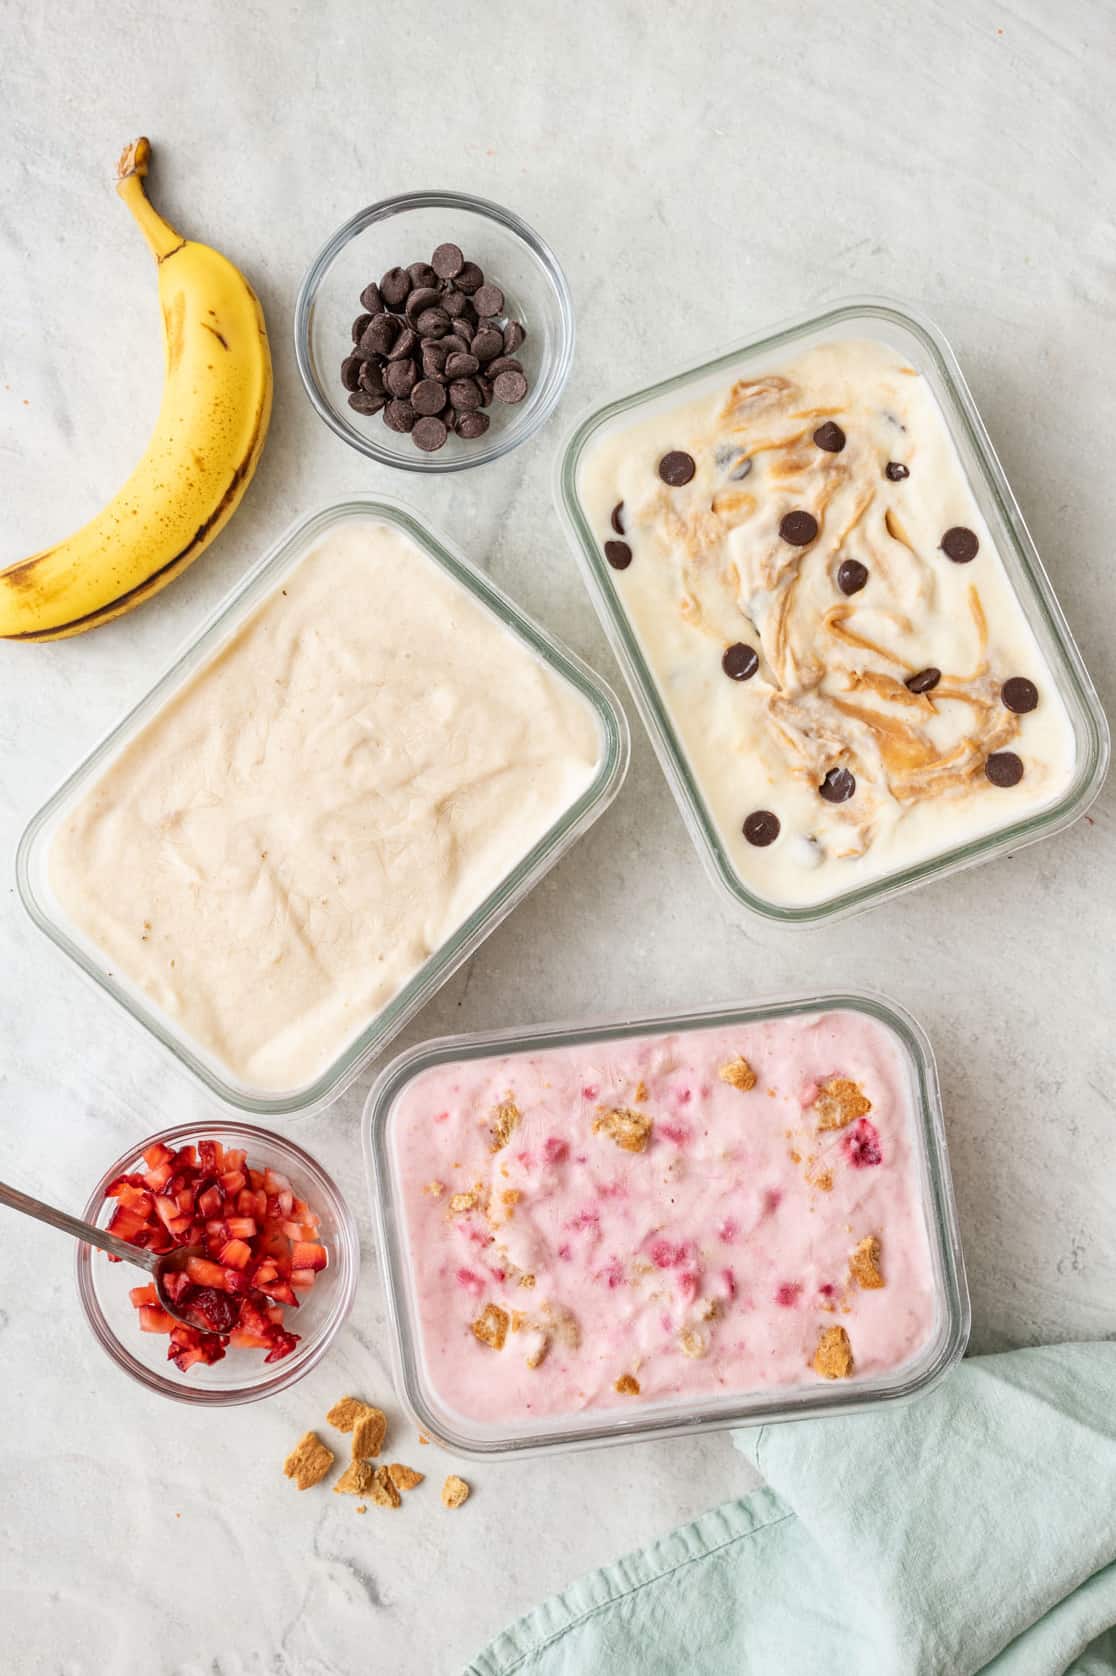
[
  {"x": 406, "y": 229},
  {"x": 243, "y": 1375}
]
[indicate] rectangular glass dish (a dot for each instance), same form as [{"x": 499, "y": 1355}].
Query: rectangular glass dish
[
  {"x": 790, "y": 633},
  {"x": 717, "y": 1249},
  {"x": 362, "y": 762}
]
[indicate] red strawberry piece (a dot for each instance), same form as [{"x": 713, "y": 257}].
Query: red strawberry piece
[
  {"x": 156, "y": 1155},
  {"x": 282, "y": 1344},
  {"x": 152, "y": 1319},
  {"x": 862, "y": 1145},
  {"x": 204, "y": 1273},
  {"x": 307, "y": 1256},
  {"x": 302, "y": 1279},
  {"x": 143, "y": 1295}
]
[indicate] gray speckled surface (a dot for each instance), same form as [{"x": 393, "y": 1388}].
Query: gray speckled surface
[{"x": 700, "y": 171}]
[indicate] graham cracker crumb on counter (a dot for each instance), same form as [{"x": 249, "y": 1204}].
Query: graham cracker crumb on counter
[
  {"x": 356, "y": 1480},
  {"x": 839, "y": 1102},
  {"x": 833, "y": 1358},
  {"x": 369, "y": 1433},
  {"x": 864, "y": 1264},
  {"x": 461, "y": 1202},
  {"x": 455, "y": 1491},
  {"x": 382, "y": 1488},
  {"x": 435, "y": 1189},
  {"x": 505, "y": 1121},
  {"x": 422, "y": 1437},
  {"x": 738, "y": 1074},
  {"x": 361, "y": 1509},
  {"x": 491, "y": 1326},
  {"x": 627, "y": 1385},
  {"x": 308, "y": 1462},
  {"x": 640, "y": 1093},
  {"x": 404, "y": 1477},
  {"x": 629, "y": 1129},
  {"x": 345, "y": 1414}
]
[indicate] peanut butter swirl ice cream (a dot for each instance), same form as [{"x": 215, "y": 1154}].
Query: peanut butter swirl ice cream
[{"x": 832, "y": 631}]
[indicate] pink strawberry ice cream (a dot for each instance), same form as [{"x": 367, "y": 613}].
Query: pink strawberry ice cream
[{"x": 621, "y": 1223}]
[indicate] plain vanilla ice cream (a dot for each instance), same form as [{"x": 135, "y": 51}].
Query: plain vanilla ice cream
[{"x": 322, "y": 805}]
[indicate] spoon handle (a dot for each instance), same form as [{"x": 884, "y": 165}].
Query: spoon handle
[{"x": 87, "y": 1231}]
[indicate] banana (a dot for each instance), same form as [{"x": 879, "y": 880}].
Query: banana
[{"x": 199, "y": 461}]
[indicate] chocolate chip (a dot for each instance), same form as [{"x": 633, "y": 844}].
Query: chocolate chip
[
  {"x": 372, "y": 378},
  {"x": 761, "y": 828},
  {"x": 896, "y": 471},
  {"x": 799, "y": 528},
  {"x": 363, "y": 402},
  {"x": 429, "y": 434},
  {"x": 447, "y": 261},
  {"x": 960, "y": 544},
  {"x": 488, "y": 343},
  {"x": 617, "y": 517},
  {"x": 925, "y": 681},
  {"x": 422, "y": 275},
  {"x": 456, "y": 344},
  {"x": 830, "y": 437},
  {"x": 472, "y": 425},
  {"x": 1019, "y": 695},
  {"x": 426, "y": 296},
  {"x": 489, "y": 299},
  {"x": 514, "y": 334},
  {"x": 380, "y": 335},
  {"x": 350, "y": 371},
  {"x": 470, "y": 279},
  {"x": 618, "y": 554},
  {"x": 1004, "y": 768},
  {"x": 399, "y": 377},
  {"x": 433, "y": 323},
  {"x": 503, "y": 363},
  {"x": 740, "y": 662},
  {"x": 484, "y": 385},
  {"x": 403, "y": 346},
  {"x": 399, "y": 416},
  {"x": 509, "y": 387},
  {"x": 428, "y": 396},
  {"x": 676, "y": 468},
  {"x": 851, "y": 576},
  {"x": 394, "y": 286},
  {"x": 461, "y": 365},
  {"x": 465, "y": 393},
  {"x": 371, "y": 298},
  {"x": 361, "y": 325},
  {"x": 838, "y": 785},
  {"x": 456, "y": 304},
  {"x": 434, "y": 357}
]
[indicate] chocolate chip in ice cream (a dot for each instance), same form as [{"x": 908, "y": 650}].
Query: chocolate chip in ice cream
[
  {"x": 618, "y": 554},
  {"x": 617, "y": 517},
  {"x": 799, "y": 528},
  {"x": 761, "y": 828},
  {"x": 676, "y": 468},
  {"x": 830, "y": 437},
  {"x": 924, "y": 681},
  {"x": 1019, "y": 695},
  {"x": 838, "y": 785},
  {"x": 895, "y": 471},
  {"x": 852, "y": 576},
  {"x": 960, "y": 544},
  {"x": 1004, "y": 768},
  {"x": 740, "y": 662}
]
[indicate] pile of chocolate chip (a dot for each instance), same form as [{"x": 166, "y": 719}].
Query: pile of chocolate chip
[{"x": 433, "y": 348}]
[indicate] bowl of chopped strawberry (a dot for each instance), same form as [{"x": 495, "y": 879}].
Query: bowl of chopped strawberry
[{"x": 271, "y": 1278}]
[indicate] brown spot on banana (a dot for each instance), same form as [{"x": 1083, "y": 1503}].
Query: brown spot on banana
[{"x": 221, "y": 339}]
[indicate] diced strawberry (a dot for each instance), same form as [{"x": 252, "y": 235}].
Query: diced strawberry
[
  {"x": 303, "y": 1279},
  {"x": 158, "y": 1154},
  {"x": 241, "y": 1227},
  {"x": 307, "y": 1256},
  {"x": 158, "y": 1177},
  {"x": 282, "y": 1291},
  {"x": 113, "y": 1190},
  {"x": 186, "y": 1158},
  {"x": 282, "y": 1344},
  {"x": 235, "y": 1158},
  {"x": 264, "y": 1272},
  {"x": 235, "y": 1255},
  {"x": 211, "y": 1156},
  {"x": 275, "y": 1313},
  {"x": 204, "y": 1273},
  {"x": 233, "y": 1181},
  {"x": 236, "y": 1281},
  {"x": 143, "y": 1295},
  {"x": 124, "y": 1223},
  {"x": 216, "y": 1309},
  {"x": 256, "y": 1180},
  {"x": 292, "y": 1229},
  {"x": 241, "y": 1340},
  {"x": 152, "y": 1319},
  {"x": 174, "y": 1284},
  {"x": 276, "y": 1182},
  {"x": 211, "y": 1202}
]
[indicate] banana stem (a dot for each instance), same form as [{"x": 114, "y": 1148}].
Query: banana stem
[{"x": 132, "y": 167}]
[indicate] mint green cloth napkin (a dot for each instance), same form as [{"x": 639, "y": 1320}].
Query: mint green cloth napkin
[{"x": 972, "y": 1530}]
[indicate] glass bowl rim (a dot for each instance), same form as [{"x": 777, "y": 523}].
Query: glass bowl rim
[
  {"x": 554, "y": 378},
  {"x": 286, "y": 1372}
]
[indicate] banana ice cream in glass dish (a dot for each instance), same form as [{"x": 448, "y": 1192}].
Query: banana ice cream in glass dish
[{"x": 842, "y": 666}]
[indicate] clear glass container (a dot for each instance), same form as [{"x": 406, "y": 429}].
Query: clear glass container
[
  {"x": 32, "y": 857},
  {"x": 399, "y": 231},
  {"x": 242, "y": 1375},
  {"x": 680, "y": 1416},
  {"x": 923, "y": 345}
]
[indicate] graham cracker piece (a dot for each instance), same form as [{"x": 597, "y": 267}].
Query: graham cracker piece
[
  {"x": 839, "y": 1102},
  {"x": 356, "y": 1480},
  {"x": 864, "y": 1264},
  {"x": 369, "y": 1433},
  {"x": 738, "y": 1074},
  {"x": 455, "y": 1491},
  {"x": 505, "y": 1121},
  {"x": 345, "y": 1414},
  {"x": 627, "y": 1385},
  {"x": 630, "y": 1129},
  {"x": 833, "y": 1358},
  {"x": 462, "y": 1202},
  {"x": 491, "y": 1326},
  {"x": 308, "y": 1462},
  {"x": 382, "y": 1489},
  {"x": 404, "y": 1477}
]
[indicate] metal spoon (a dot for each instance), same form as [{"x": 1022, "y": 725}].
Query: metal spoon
[{"x": 158, "y": 1267}]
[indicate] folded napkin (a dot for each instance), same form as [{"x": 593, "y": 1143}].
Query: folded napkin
[{"x": 971, "y": 1530}]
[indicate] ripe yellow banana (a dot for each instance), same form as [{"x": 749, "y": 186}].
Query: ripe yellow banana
[{"x": 207, "y": 440}]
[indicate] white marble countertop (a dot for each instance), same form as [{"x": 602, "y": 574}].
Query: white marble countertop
[{"x": 700, "y": 170}]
